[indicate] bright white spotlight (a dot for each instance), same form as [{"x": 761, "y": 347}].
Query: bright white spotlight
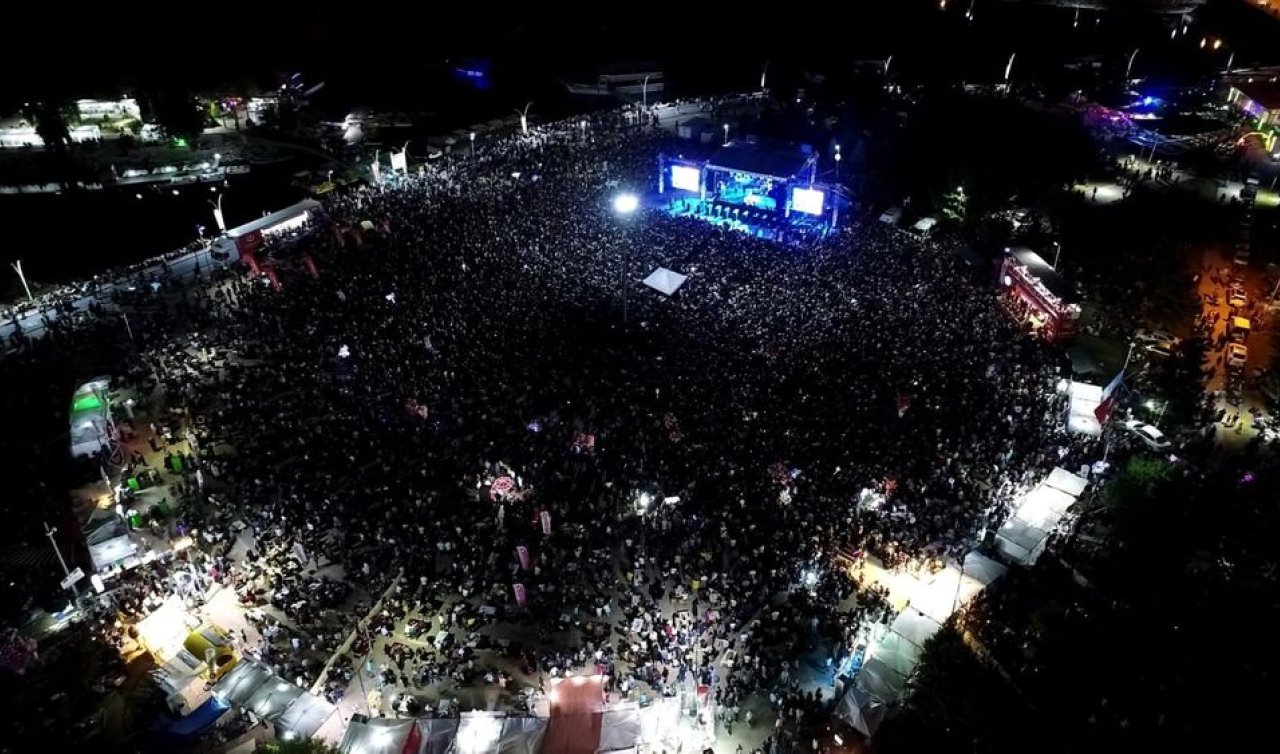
[{"x": 625, "y": 204}]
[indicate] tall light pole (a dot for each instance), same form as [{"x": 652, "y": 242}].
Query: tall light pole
[
  {"x": 49, "y": 532},
  {"x": 524, "y": 118},
  {"x": 1057, "y": 251},
  {"x": 1008, "y": 69},
  {"x": 17, "y": 267},
  {"x": 644, "y": 91},
  {"x": 1129, "y": 68},
  {"x": 218, "y": 216},
  {"x": 625, "y": 205},
  {"x": 473, "y": 145},
  {"x": 726, "y": 134},
  {"x": 837, "y": 162}
]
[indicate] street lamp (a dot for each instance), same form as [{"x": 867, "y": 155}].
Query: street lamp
[
  {"x": 625, "y": 205},
  {"x": 473, "y": 145},
  {"x": 1129, "y": 68},
  {"x": 524, "y": 118},
  {"x": 49, "y": 531},
  {"x": 17, "y": 267},
  {"x": 644, "y": 91},
  {"x": 837, "y": 162},
  {"x": 217, "y": 213},
  {"x": 726, "y": 134},
  {"x": 1008, "y": 69},
  {"x": 1057, "y": 250}
]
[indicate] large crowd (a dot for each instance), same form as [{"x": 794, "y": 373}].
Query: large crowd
[{"x": 464, "y": 429}]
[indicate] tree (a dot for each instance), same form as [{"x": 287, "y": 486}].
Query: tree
[
  {"x": 51, "y": 119},
  {"x": 296, "y": 746},
  {"x": 177, "y": 114},
  {"x": 1179, "y": 381}
]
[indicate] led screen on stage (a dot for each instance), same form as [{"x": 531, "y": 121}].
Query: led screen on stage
[
  {"x": 686, "y": 178},
  {"x": 808, "y": 201}
]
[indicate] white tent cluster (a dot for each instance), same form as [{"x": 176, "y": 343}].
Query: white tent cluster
[
  {"x": 891, "y": 660},
  {"x": 472, "y": 733},
  {"x": 1023, "y": 536},
  {"x": 294, "y": 712}
]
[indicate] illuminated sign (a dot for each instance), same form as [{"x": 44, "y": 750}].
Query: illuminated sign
[
  {"x": 686, "y": 178},
  {"x": 808, "y": 201}
]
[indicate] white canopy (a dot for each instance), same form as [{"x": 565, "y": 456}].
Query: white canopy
[
  {"x": 241, "y": 681},
  {"x": 271, "y": 699},
  {"x": 861, "y": 710},
  {"x": 305, "y": 715},
  {"x": 1023, "y": 536},
  {"x": 379, "y": 735},
  {"x": 619, "y": 727},
  {"x": 665, "y": 281}
]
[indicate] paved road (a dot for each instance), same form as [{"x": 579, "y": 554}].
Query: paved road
[{"x": 31, "y": 318}]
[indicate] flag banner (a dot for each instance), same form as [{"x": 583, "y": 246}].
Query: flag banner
[
  {"x": 520, "y": 595},
  {"x": 546, "y": 522},
  {"x": 522, "y": 553},
  {"x": 1110, "y": 397}
]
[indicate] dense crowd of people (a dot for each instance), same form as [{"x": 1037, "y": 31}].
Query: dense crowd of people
[{"x": 498, "y": 457}]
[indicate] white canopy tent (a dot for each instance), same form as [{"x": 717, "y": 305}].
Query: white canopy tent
[
  {"x": 1081, "y": 417},
  {"x": 619, "y": 727},
  {"x": 305, "y": 715},
  {"x": 665, "y": 281},
  {"x": 1023, "y": 536},
  {"x": 241, "y": 681},
  {"x": 891, "y": 660},
  {"x": 378, "y": 735},
  {"x": 861, "y": 710},
  {"x": 271, "y": 699}
]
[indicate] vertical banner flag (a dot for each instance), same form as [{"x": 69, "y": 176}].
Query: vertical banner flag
[
  {"x": 1109, "y": 399},
  {"x": 546, "y": 522},
  {"x": 520, "y": 595},
  {"x": 522, "y": 552}
]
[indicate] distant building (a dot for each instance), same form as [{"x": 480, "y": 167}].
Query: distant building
[
  {"x": 1257, "y": 99},
  {"x": 96, "y": 109}
]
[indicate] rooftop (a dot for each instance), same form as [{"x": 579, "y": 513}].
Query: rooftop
[{"x": 758, "y": 158}]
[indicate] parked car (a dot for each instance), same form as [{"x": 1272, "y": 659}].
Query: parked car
[
  {"x": 1237, "y": 355},
  {"x": 1149, "y": 435}
]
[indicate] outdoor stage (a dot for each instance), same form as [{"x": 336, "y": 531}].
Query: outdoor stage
[{"x": 764, "y": 189}]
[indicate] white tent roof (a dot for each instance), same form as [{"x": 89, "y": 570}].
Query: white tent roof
[
  {"x": 378, "y": 735},
  {"x": 1023, "y": 535},
  {"x": 881, "y": 681},
  {"x": 521, "y": 735},
  {"x": 915, "y": 626},
  {"x": 439, "y": 734},
  {"x": 897, "y": 653},
  {"x": 271, "y": 699},
  {"x": 1085, "y": 399},
  {"x": 305, "y": 715},
  {"x": 665, "y": 281},
  {"x": 241, "y": 681},
  {"x": 619, "y": 727},
  {"x": 1072, "y": 484},
  {"x": 861, "y": 710}
]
